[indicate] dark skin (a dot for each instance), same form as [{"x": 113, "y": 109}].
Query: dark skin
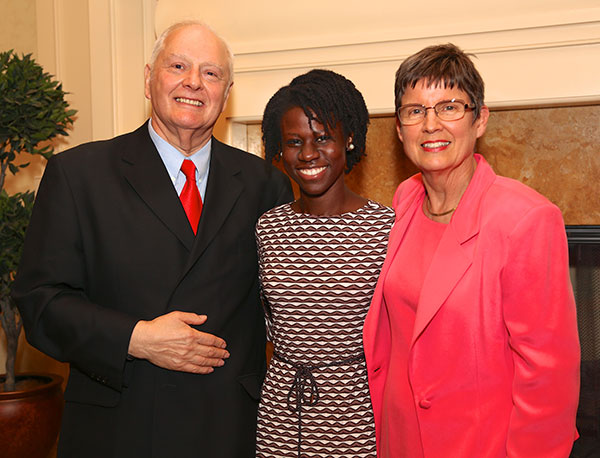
[{"x": 316, "y": 159}]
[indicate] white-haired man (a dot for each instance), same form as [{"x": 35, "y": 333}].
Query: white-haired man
[{"x": 140, "y": 270}]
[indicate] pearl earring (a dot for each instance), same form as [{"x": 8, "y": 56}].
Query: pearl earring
[{"x": 350, "y": 147}]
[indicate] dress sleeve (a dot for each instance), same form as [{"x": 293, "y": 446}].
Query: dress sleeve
[
  {"x": 261, "y": 270},
  {"x": 540, "y": 317}
]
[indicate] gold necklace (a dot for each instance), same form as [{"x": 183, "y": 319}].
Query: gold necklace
[{"x": 438, "y": 214}]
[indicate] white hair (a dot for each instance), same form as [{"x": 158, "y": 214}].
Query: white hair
[{"x": 159, "y": 45}]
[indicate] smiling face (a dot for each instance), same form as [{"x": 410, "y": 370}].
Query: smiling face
[
  {"x": 188, "y": 85},
  {"x": 314, "y": 159},
  {"x": 440, "y": 146}
]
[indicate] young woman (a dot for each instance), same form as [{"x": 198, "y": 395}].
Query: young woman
[{"x": 320, "y": 257}]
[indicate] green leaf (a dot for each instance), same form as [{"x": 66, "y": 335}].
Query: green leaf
[{"x": 33, "y": 109}]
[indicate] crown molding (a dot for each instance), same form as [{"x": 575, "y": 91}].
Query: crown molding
[{"x": 479, "y": 43}]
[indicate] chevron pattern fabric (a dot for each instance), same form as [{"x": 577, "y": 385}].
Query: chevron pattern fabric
[{"x": 318, "y": 274}]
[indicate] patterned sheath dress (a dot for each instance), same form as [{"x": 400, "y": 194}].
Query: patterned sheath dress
[{"x": 318, "y": 274}]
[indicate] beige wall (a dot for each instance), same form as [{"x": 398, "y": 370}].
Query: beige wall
[{"x": 17, "y": 26}]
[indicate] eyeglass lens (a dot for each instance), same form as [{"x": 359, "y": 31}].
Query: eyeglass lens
[{"x": 447, "y": 110}]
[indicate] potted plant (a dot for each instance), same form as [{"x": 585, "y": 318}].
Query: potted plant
[{"x": 33, "y": 111}]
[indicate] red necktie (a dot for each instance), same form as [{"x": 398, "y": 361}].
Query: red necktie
[{"x": 190, "y": 197}]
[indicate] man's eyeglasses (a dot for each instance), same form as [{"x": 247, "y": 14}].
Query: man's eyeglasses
[{"x": 446, "y": 110}]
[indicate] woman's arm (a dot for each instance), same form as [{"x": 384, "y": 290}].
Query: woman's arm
[{"x": 540, "y": 316}]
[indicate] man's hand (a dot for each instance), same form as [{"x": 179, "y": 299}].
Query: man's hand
[{"x": 170, "y": 342}]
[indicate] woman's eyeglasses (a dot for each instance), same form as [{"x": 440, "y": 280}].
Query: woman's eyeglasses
[{"x": 446, "y": 110}]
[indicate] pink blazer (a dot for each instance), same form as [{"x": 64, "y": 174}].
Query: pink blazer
[{"x": 494, "y": 358}]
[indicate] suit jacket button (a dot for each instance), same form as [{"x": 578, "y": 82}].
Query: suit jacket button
[{"x": 424, "y": 403}]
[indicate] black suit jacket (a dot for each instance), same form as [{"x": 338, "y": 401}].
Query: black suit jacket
[{"x": 109, "y": 244}]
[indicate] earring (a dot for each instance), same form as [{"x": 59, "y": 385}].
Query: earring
[
  {"x": 280, "y": 153},
  {"x": 350, "y": 147}
]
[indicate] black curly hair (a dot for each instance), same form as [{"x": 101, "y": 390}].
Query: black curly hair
[{"x": 326, "y": 97}]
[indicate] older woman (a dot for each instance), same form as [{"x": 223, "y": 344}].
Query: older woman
[
  {"x": 320, "y": 257},
  {"x": 471, "y": 340}
]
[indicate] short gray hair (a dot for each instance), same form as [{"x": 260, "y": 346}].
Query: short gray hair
[
  {"x": 443, "y": 65},
  {"x": 159, "y": 44}
]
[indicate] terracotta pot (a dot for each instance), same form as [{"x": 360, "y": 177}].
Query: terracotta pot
[{"x": 30, "y": 417}]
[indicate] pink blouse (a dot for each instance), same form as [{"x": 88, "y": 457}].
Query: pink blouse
[{"x": 401, "y": 291}]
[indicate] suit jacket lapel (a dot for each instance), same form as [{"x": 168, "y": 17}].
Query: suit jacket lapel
[
  {"x": 222, "y": 191},
  {"x": 146, "y": 173},
  {"x": 452, "y": 259}
]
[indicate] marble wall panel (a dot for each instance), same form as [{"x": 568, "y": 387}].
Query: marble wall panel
[{"x": 554, "y": 150}]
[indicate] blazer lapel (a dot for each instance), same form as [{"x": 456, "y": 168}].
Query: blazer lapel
[
  {"x": 452, "y": 259},
  {"x": 405, "y": 206},
  {"x": 447, "y": 267},
  {"x": 147, "y": 175},
  {"x": 222, "y": 191},
  {"x": 376, "y": 328}
]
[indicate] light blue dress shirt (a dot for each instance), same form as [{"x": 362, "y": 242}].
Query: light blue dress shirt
[{"x": 173, "y": 158}]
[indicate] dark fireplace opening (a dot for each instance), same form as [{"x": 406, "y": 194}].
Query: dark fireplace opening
[{"x": 584, "y": 262}]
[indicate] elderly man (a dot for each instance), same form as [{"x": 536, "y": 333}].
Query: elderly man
[{"x": 140, "y": 270}]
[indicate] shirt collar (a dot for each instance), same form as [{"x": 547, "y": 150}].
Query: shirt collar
[{"x": 173, "y": 158}]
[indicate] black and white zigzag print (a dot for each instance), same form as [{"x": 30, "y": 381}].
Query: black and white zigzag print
[{"x": 318, "y": 274}]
